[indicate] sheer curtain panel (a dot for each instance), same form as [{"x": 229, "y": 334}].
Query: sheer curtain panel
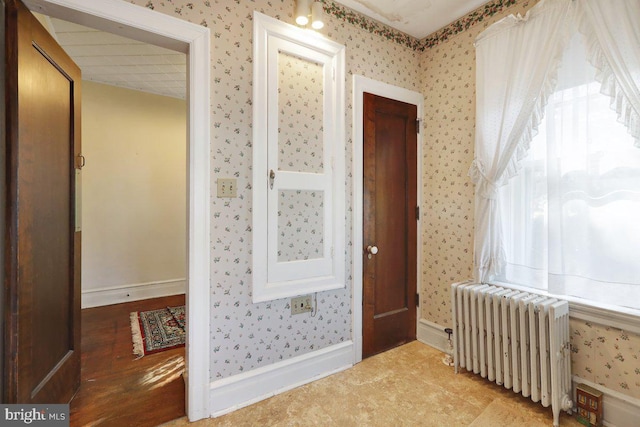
[
  {"x": 612, "y": 31},
  {"x": 516, "y": 59},
  {"x": 557, "y": 211}
]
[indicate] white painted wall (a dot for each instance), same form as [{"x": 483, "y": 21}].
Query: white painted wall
[{"x": 133, "y": 195}]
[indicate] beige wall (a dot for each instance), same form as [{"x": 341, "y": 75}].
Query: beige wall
[{"x": 134, "y": 187}]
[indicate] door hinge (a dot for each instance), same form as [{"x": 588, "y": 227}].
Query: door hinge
[
  {"x": 417, "y": 213},
  {"x": 417, "y": 300},
  {"x": 417, "y": 125}
]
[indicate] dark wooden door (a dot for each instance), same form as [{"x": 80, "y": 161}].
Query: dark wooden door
[
  {"x": 390, "y": 227},
  {"x": 42, "y": 278}
]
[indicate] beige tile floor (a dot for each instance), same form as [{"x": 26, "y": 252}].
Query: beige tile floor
[{"x": 406, "y": 386}]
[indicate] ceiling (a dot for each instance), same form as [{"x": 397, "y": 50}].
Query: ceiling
[
  {"x": 418, "y": 18},
  {"x": 106, "y": 58},
  {"x": 119, "y": 61}
]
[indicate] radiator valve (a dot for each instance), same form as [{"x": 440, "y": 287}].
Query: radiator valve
[{"x": 448, "y": 358}]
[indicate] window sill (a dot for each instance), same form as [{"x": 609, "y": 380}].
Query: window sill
[{"x": 627, "y": 319}]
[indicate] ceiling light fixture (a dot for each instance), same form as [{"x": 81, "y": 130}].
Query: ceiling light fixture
[{"x": 305, "y": 10}]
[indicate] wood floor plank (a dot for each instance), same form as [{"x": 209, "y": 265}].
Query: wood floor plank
[{"x": 117, "y": 389}]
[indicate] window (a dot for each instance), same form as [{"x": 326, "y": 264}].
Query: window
[{"x": 570, "y": 217}]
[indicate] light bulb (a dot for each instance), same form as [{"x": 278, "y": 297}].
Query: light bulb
[
  {"x": 302, "y": 12},
  {"x": 316, "y": 15}
]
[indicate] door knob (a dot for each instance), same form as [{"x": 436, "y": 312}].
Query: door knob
[{"x": 371, "y": 250}]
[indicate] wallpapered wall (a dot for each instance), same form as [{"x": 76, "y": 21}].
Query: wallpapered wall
[
  {"x": 246, "y": 336},
  {"x": 601, "y": 354},
  {"x": 300, "y": 149},
  {"x": 448, "y": 83}
]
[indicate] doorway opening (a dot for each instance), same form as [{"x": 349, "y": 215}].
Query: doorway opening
[{"x": 142, "y": 24}]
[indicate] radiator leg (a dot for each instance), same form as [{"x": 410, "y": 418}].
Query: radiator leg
[
  {"x": 565, "y": 404},
  {"x": 556, "y": 416}
]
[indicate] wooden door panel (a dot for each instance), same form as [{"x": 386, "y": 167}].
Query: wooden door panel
[
  {"x": 391, "y": 331},
  {"x": 43, "y": 355},
  {"x": 44, "y": 192},
  {"x": 3, "y": 189},
  {"x": 390, "y": 185},
  {"x": 390, "y": 215}
]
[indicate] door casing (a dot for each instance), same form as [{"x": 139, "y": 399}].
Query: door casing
[
  {"x": 139, "y": 23},
  {"x": 360, "y": 86}
]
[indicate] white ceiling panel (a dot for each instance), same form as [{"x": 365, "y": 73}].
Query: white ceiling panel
[{"x": 119, "y": 61}]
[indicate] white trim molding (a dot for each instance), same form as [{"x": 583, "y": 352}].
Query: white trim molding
[
  {"x": 272, "y": 277},
  {"x": 619, "y": 410},
  {"x": 627, "y": 319},
  {"x": 135, "y": 292},
  {"x": 244, "y": 389},
  {"x": 360, "y": 86},
  {"x": 433, "y": 335},
  {"x": 143, "y": 24}
]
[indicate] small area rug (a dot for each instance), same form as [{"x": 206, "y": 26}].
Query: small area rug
[{"x": 157, "y": 330}]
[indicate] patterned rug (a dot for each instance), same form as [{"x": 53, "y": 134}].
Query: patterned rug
[{"x": 157, "y": 330}]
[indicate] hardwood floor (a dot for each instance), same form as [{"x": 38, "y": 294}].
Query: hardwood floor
[{"x": 116, "y": 389}]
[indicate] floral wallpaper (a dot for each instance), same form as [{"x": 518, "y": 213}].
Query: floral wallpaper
[
  {"x": 300, "y": 109},
  {"x": 606, "y": 356},
  {"x": 245, "y": 336},
  {"x": 300, "y": 225},
  {"x": 447, "y": 191},
  {"x": 356, "y": 19},
  {"x": 479, "y": 15},
  {"x": 300, "y": 140}
]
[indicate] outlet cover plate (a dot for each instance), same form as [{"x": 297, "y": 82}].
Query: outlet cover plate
[{"x": 301, "y": 305}]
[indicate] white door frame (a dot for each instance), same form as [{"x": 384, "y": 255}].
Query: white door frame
[
  {"x": 360, "y": 86},
  {"x": 143, "y": 24}
]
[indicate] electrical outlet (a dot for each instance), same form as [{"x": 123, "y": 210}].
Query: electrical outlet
[
  {"x": 301, "y": 304},
  {"x": 227, "y": 187}
]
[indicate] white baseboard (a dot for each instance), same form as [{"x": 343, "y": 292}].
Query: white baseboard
[
  {"x": 244, "y": 389},
  {"x": 618, "y": 409},
  {"x": 126, "y": 293},
  {"x": 433, "y": 335}
]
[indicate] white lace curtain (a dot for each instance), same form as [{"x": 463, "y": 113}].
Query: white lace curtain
[{"x": 517, "y": 61}]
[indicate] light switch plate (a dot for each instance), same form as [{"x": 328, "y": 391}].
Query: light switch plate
[{"x": 227, "y": 187}]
